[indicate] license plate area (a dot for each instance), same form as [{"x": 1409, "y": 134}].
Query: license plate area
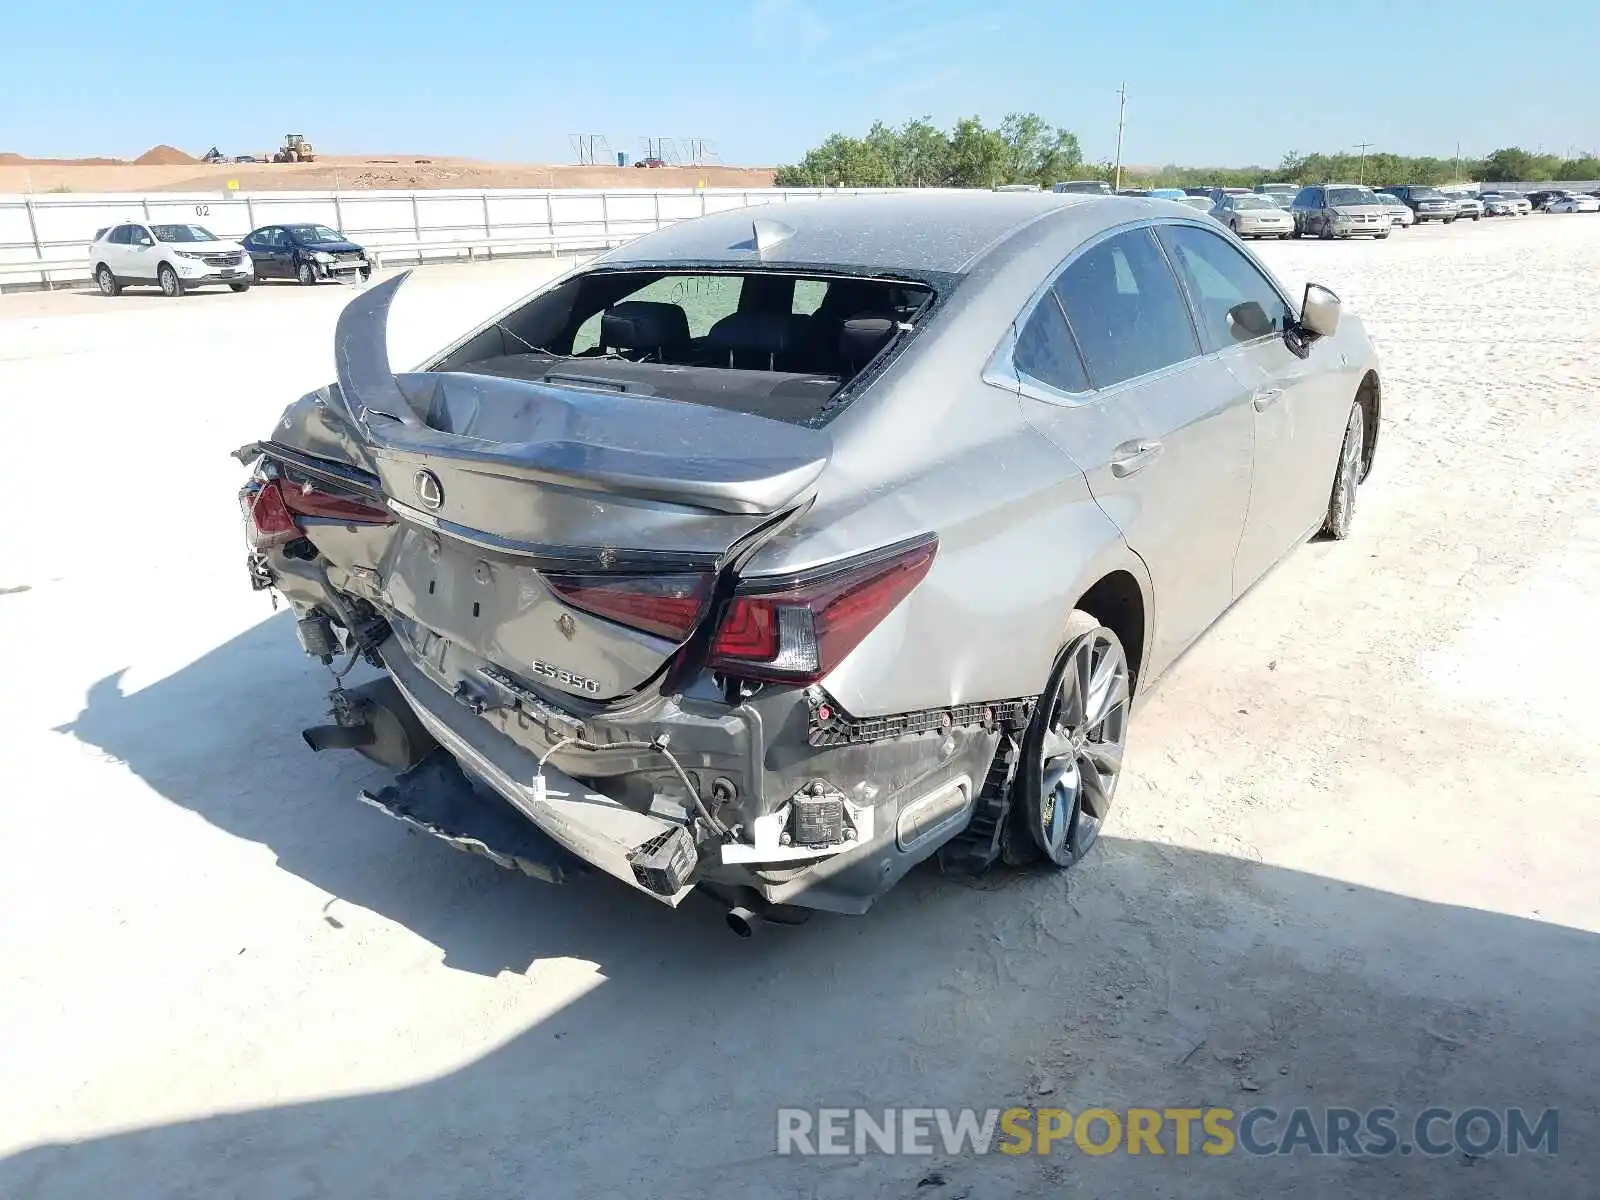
[{"x": 504, "y": 612}]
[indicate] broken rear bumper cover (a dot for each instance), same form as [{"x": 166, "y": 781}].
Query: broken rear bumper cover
[{"x": 798, "y": 838}]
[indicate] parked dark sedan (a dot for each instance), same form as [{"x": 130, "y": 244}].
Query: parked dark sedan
[{"x": 309, "y": 253}]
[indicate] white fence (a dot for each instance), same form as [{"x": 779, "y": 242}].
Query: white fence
[{"x": 54, "y": 230}]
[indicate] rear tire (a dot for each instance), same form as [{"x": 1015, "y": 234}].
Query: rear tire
[
  {"x": 106, "y": 281},
  {"x": 1346, "y": 477},
  {"x": 171, "y": 285},
  {"x": 1072, "y": 749}
]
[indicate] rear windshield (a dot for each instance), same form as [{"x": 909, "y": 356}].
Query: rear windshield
[{"x": 776, "y": 344}]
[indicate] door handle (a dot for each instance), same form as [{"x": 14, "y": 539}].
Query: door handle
[
  {"x": 1132, "y": 457},
  {"x": 1265, "y": 398}
]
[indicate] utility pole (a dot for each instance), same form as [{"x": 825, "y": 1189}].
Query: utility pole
[
  {"x": 1457, "y": 178},
  {"x": 1122, "y": 110},
  {"x": 1363, "y": 147}
]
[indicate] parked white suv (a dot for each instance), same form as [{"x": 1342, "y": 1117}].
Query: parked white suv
[{"x": 175, "y": 258}]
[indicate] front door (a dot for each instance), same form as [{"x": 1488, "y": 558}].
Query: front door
[
  {"x": 1159, "y": 430},
  {"x": 144, "y": 259},
  {"x": 1298, "y": 419}
]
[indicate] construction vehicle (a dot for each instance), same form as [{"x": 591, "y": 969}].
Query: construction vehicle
[{"x": 295, "y": 148}]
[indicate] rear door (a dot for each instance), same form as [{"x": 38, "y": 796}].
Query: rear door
[
  {"x": 1298, "y": 420},
  {"x": 115, "y": 250},
  {"x": 1112, "y": 371}
]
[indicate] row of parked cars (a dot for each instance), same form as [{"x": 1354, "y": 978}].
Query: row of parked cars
[
  {"x": 1339, "y": 210},
  {"x": 178, "y": 257}
]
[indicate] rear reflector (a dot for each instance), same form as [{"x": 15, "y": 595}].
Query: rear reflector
[
  {"x": 668, "y": 606},
  {"x": 799, "y": 632}
]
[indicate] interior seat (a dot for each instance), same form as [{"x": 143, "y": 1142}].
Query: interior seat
[
  {"x": 645, "y": 329},
  {"x": 862, "y": 336},
  {"x": 759, "y": 340}
]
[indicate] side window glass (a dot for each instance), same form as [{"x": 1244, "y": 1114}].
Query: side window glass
[
  {"x": 705, "y": 299},
  {"x": 808, "y": 294},
  {"x": 1125, "y": 308},
  {"x": 119, "y": 236},
  {"x": 1235, "y": 302},
  {"x": 1045, "y": 350},
  {"x": 588, "y": 335}
]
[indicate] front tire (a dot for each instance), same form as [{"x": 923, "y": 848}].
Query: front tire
[
  {"x": 106, "y": 281},
  {"x": 306, "y": 273},
  {"x": 240, "y": 287},
  {"x": 1346, "y": 478},
  {"x": 171, "y": 285},
  {"x": 1072, "y": 749}
]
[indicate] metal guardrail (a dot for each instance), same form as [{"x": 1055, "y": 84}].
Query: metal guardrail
[
  {"x": 44, "y": 237},
  {"x": 78, "y": 267}
]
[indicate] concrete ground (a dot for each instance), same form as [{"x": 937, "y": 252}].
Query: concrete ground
[{"x": 1350, "y": 865}]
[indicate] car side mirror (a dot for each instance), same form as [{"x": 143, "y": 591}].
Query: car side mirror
[{"x": 1319, "y": 311}]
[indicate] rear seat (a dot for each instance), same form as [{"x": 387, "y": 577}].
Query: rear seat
[
  {"x": 647, "y": 329},
  {"x": 760, "y": 341}
]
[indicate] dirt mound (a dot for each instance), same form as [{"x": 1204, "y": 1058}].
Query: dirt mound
[
  {"x": 164, "y": 156},
  {"x": 12, "y": 159}
]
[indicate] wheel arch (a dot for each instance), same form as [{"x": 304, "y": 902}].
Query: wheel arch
[
  {"x": 1119, "y": 601},
  {"x": 1370, "y": 396}
]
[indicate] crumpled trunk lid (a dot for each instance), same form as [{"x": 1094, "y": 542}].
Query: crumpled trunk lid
[{"x": 503, "y": 487}]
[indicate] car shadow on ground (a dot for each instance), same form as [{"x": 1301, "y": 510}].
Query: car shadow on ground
[{"x": 1150, "y": 976}]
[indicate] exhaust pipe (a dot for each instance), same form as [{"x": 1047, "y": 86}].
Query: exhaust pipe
[
  {"x": 337, "y": 737},
  {"x": 743, "y": 922}
]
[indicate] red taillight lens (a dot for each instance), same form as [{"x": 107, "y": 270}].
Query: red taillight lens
[
  {"x": 271, "y": 507},
  {"x": 799, "y": 633},
  {"x": 308, "y": 501},
  {"x": 669, "y": 606},
  {"x": 268, "y": 521}
]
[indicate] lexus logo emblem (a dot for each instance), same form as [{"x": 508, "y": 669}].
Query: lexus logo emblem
[{"x": 429, "y": 490}]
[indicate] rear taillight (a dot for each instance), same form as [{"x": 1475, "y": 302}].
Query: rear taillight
[
  {"x": 308, "y": 501},
  {"x": 669, "y": 606},
  {"x": 800, "y": 631},
  {"x": 267, "y": 519},
  {"x": 272, "y": 508}
]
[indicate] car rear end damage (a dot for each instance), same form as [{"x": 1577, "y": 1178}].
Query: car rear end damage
[{"x": 552, "y": 579}]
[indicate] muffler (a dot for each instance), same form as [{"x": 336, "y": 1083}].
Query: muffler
[{"x": 743, "y": 922}]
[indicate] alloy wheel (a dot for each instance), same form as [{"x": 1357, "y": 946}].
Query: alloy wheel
[{"x": 1082, "y": 731}]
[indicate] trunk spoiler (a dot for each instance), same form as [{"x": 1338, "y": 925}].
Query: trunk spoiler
[{"x": 645, "y": 448}]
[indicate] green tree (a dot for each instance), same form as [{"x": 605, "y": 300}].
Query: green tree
[
  {"x": 978, "y": 156},
  {"x": 1037, "y": 152}
]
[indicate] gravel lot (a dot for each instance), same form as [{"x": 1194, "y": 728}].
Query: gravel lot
[{"x": 1352, "y": 862}]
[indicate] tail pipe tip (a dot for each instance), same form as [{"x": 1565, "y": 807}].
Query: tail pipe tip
[{"x": 337, "y": 737}]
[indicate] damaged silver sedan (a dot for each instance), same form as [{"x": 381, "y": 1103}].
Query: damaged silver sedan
[{"x": 770, "y": 555}]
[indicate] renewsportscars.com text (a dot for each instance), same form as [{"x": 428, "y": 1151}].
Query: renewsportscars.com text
[{"x": 1371, "y": 1132}]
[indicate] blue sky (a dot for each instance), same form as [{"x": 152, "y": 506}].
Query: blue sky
[{"x": 765, "y": 79}]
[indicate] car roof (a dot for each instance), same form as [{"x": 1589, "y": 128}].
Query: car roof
[{"x": 919, "y": 231}]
